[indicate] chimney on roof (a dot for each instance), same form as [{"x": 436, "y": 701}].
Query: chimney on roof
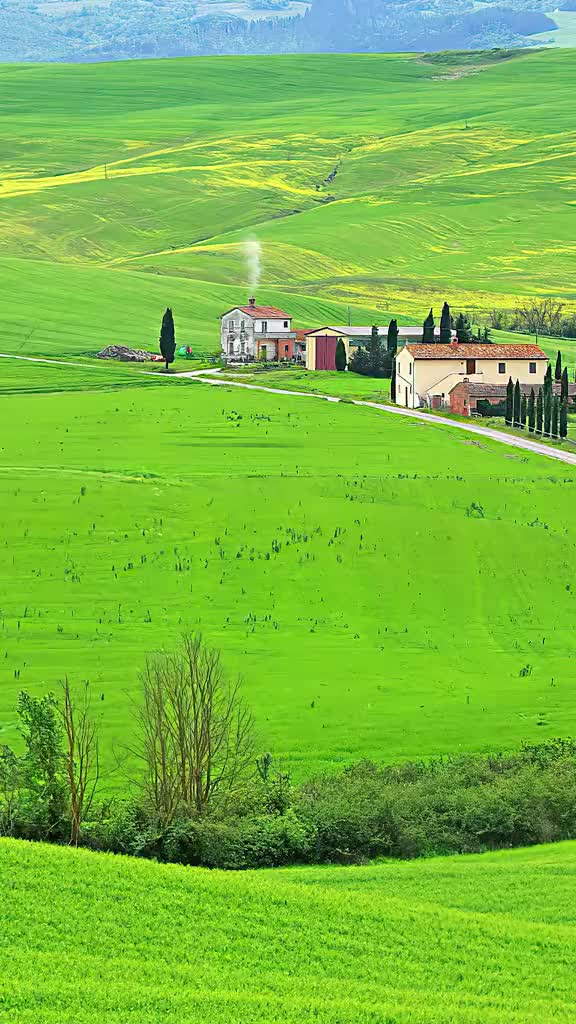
[
  {"x": 252, "y": 301},
  {"x": 454, "y": 343}
]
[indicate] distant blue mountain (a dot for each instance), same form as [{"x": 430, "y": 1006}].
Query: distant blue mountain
[{"x": 122, "y": 29}]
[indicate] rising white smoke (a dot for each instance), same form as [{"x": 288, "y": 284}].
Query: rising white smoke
[{"x": 253, "y": 254}]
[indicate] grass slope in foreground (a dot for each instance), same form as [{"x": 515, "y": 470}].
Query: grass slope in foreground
[
  {"x": 387, "y": 588},
  {"x": 448, "y": 941}
]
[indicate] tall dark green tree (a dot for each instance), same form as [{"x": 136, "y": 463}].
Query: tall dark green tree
[
  {"x": 564, "y": 418},
  {"x": 531, "y": 411},
  {"x": 517, "y": 403},
  {"x": 523, "y": 409},
  {"x": 547, "y": 408},
  {"x": 428, "y": 329},
  {"x": 539, "y": 410},
  {"x": 510, "y": 402},
  {"x": 564, "y": 385},
  {"x": 168, "y": 338},
  {"x": 392, "y": 338},
  {"x": 558, "y": 368},
  {"x": 463, "y": 329},
  {"x": 379, "y": 359},
  {"x": 548, "y": 377},
  {"x": 555, "y": 415},
  {"x": 445, "y": 325},
  {"x": 340, "y": 356}
]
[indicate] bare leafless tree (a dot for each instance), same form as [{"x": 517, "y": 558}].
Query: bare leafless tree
[
  {"x": 195, "y": 734},
  {"x": 82, "y": 760},
  {"x": 543, "y": 316},
  {"x": 497, "y": 319}
]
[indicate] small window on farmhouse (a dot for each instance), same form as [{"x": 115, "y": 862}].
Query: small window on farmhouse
[
  {"x": 532, "y": 367},
  {"x": 501, "y": 367},
  {"x": 264, "y": 325},
  {"x": 285, "y": 348},
  {"x": 230, "y": 325},
  {"x": 285, "y": 323},
  {"x": 242, "y": 325},
  {"x": 410, "y": 368},
  {"x": 470, "y": 366}
]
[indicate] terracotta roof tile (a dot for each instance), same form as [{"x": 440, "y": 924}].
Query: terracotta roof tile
[
  {"x": 472, "y": 351},
  {"x": 264, "y": 311}
]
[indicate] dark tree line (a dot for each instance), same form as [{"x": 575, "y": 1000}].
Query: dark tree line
[
  {"x": 545, "y": 412},
  {"x": 377, "y": 358}
]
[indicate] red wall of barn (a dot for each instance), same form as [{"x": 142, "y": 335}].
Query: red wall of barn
[{"x": 326, "y": 353}]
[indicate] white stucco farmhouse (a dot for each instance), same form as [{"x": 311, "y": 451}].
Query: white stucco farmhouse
[
  {"x": 256, "y": 332},
  {"x": 426, "y": 374}
]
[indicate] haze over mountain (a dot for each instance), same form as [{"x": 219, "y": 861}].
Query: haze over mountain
[{"x": 91, "y": 30}]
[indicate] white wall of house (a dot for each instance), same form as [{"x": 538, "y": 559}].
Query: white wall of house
[
  {"x": 240, "y": 333},
  {"x": 420, "y": 380}
]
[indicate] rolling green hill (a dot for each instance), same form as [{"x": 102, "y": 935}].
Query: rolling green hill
[
  {"x": 134, "y": 507},
  {"x": 386, "y": 588},
  {"x": 88, "y": 937},
  {"x": 383, "y": 183}
]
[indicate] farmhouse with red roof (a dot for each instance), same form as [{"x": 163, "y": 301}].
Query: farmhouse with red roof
[
  {"x": 426, "y": 374},
  {"x": 259, "y": 332}
]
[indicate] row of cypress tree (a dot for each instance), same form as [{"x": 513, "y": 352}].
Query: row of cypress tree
[
  {"x": 461, "y": 325},
  {"x": 545, "y": 413}
]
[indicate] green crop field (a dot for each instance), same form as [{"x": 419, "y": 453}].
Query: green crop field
[
  {"x": 382, "y": 183},
  {"x": 377, "y": 583},
  {"x": 385, "y": 588},
  {"x": 91, "y": 937}
]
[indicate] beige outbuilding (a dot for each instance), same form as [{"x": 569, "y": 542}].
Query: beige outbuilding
[{"x": 426, "y": 374}]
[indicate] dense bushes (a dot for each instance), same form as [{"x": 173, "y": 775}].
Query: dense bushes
[
  {"x": 452, "y": 805},
  {"x": 457, "y": 805},
  {"x": 254, "y": 816}
]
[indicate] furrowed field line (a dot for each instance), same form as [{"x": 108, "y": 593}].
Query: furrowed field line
[{"x": 496, "y": 435}]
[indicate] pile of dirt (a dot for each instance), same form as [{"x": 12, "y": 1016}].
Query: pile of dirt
[{"x": 127, "y": 355}]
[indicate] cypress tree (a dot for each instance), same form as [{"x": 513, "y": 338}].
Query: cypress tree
[
  {"x": 517, "y": 404},
  {"x": 378, "y": 359},
  {"x": 558, "y": 369},
  {"x": 539, "y": 411},
  {"x": 168, "y": 338},
  {"x": 428, "y": 329},
  {"x": 555, "y": 415},
  {"x": 392, "y": 339},
  {"x": 463, "y": 329},
  {"x": 564, "y": 385},
  {"x": 548, "y": 377},
  {"x": 564, "y": 418},
  {"x": 340, "y": 356},
  {"x": 509, "y": 402},
  {"x": 445, "y": 325},
  {"x": 523, "y": 410},
  {"x": 531, "y": 411},
  {"x": 547, "y": 409}
]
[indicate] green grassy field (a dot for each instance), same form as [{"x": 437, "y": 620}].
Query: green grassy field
[
  {"x": 135, "y": 507},
  {"x": 132, "y": 513},
  {"x": 88, "y": 937},
  {"x": 379, "y": 183},
  {"x": 321, "y": 382}
]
